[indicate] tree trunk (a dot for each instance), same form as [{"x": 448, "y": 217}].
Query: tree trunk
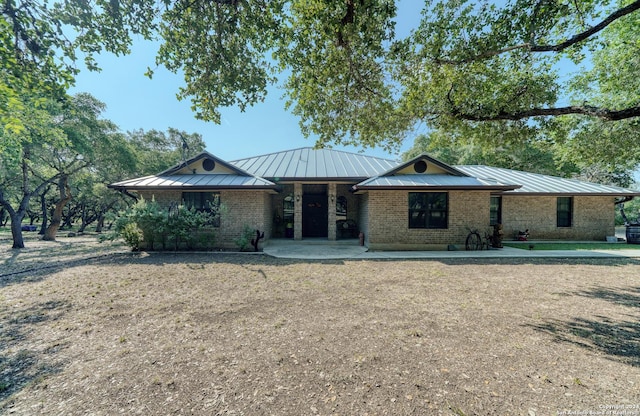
[
  {"x": 65, "y": 196},
  {"x": 100, "y": 223},
  {"x": 43, "y": 207},
  {"x": 16, "y": 229}
]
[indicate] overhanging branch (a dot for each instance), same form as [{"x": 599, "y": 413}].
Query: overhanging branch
[
  {"x": 549, "y": 48},
  {"x": 586, "y": 110}
]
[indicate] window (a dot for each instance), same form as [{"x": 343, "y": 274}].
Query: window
[
  {"x": 565, "y": 211},
  {"x": 204, "y": 202},
  {"x": 341, "y": 208},
  {"x": 495, "y": 210},
  {"x": 428, "y": 209}
]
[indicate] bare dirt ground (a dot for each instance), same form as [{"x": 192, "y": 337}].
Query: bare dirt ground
[{"x": 92, "y": 329}]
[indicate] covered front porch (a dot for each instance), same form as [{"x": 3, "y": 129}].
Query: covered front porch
[{"x": 318, "y": 211}]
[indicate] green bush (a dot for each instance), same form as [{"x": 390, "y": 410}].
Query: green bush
[
  {"x": 132, "y": 235},
  {"x": 245, "y": 238},
  {"x": 148, "y": 225}
]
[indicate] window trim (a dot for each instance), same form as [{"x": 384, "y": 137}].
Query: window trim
[{"x": 427, "y": 212}]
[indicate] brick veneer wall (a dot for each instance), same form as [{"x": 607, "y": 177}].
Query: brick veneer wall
[
  {"x": 251, "y": 208},
  {"x": 593, "y": 217},
  {"x": 363, "y": 216},
  {"x": 388, "y": 220}
]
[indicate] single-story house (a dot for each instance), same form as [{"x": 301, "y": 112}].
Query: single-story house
[{"x": 418, "y": 204}]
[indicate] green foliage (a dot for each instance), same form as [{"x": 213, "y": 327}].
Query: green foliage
[
  {"x": 502, "y": 73},
  {"x": 156, "y": 151},
  {"x": 631, "y": 210},
  {"x": 132, "y": 235},
  {"x": 244, "y": 240},
  {"x": 160, "y": 228},
  {"x": 531, "y": 156},
  {"x": 338, "y": 83},
  {"x": 39, "y": 43}
]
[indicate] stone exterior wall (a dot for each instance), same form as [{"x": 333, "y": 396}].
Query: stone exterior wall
[
  {"x": 388, "y": 221},
  {"x": 593, "y": 217}
]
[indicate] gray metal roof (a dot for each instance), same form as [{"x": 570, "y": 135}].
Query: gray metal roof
[
  {"x": 198, "y": 181},
  {"x": 314, "y": 164},
  {"x": 433, "y": 182},
  {"x": 535, "y": 183}
]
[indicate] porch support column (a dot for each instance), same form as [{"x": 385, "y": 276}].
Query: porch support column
[
  {"x": 297, "y": 211},
  {"x": 331, "y": 207}
]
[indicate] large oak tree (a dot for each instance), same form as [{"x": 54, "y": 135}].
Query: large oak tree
[{"x": 482, "y": 70}]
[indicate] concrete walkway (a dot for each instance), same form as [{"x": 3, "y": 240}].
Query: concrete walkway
[{"x": 349, "y": 249}]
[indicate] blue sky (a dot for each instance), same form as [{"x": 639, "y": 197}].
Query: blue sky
[{"x": 137, "y": 102}]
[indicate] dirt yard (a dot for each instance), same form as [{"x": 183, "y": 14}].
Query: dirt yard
[{"x": 88, "y": 329}]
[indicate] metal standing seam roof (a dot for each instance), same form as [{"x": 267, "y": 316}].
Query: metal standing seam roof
[
  {"x": 535, "y": 183},
  {"x": 372, "y": 172},
  {"x": 440, "y": 181},
  {"x": 196, "y": 181},
  {"x": 314, "y": 164}
]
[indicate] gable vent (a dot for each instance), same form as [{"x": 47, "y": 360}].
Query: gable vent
[
  {"x": 208, "y": 164},
  {"x": 420, "y": 166}
]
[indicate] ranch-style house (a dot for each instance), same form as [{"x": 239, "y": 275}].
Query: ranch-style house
[{"x": 420, "y": 204}]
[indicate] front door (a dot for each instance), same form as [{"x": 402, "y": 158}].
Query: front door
[{"x": 315, "y": 215}]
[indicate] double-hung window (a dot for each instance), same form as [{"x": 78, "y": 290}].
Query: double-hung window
[{"x": 428, "y": 209}]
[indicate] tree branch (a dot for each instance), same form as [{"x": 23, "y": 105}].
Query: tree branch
[
  {"x": 589, "y": 32},
  {"x": 587, "y": 110},
  {"x": 549, "y": 48}
]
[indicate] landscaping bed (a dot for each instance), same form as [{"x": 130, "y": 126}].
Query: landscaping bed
[{"x": 234, "y": 334}]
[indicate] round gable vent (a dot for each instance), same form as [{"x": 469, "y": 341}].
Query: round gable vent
[
  {"x": 420, "y": 167},
  {"x": 208, "y": 164}
]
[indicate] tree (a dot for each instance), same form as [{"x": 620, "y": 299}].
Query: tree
[
  {"x": 156, "y": 151},
  {"x": 468, "y": 67},
  {"x": 56, "y": 144},
  {"x": 40, "y": 43},
  {"x": 531, "y": 156},
  {"x": 19, "y": 163}
]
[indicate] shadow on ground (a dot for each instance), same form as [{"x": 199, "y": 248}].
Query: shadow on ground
[
  {"x": 618, "y": 339},
  {"x": 23, "y": 363}
]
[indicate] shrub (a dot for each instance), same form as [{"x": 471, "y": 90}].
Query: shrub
[
  {"x": 245, "y": 238},
  {"x": 150, "y": 226},
  {"x": 132, "y": 235}
]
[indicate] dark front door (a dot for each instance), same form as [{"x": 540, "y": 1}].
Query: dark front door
[{"x": 314, "y": 216}]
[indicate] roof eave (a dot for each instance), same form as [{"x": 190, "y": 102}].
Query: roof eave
[
  {"x": 612, "y": 194},
  {"x": 316, "y": 179},
  {"x": 357, "y": 188},
  {"x": 194, "y": 187}
]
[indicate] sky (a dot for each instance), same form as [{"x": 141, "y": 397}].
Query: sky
[{"x": 136, "y": 102}]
